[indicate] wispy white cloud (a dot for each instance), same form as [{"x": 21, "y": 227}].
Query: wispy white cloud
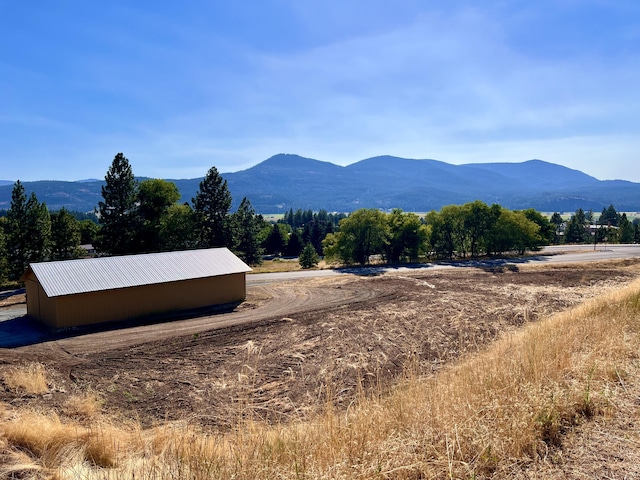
[{"x": 179, "y": 91}]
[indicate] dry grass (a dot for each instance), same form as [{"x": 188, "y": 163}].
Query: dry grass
[
  {"x": 86, "y": 405},
  {"x": 490, "y": 416},
  {"x": 28, "y": 379},
  {"x": 283, "y": 265},
  {"x": 44, "y": 443}
]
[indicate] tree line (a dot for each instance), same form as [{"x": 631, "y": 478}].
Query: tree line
[
  {"x": 474, "y": 229},
  {"x": 133, "y": 217},
  {"x": 143, "y": 217},
  {"x": 30, "y": 233},
  {"x": 470, "y": 230}
]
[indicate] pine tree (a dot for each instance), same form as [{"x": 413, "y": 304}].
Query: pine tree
[
  {"x": 38, "y": 230},
  {"x": 65, "y": 235},
  {"x": 4, "y": 271},
  {"x": 17, "y": 232},
  {"x": 309, "y": 257},
  {"x": 211, "y": 206},
  {"x": 246, "y": 227},
  {"x": 295, "y": 244},
  {"x": 575, "y": 231},
  {"x": 626, "y": 232},
  {"x": 117, "y": 211},
  {"x": 28, "y": 231},
  {"x": 557, "y": 222},
  {"x": 609, "y": 216},
  {"x": 275, "y": 242}
]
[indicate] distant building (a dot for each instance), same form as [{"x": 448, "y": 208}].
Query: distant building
[
  {"x": 88, "y": 249},
  {"x": 593, "y": 228},
  {"x": 87, "y": 291}
]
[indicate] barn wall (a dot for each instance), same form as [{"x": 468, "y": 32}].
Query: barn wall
[
  {"x": 39, "y": 306},
  {"x": 128, "y": 303}
]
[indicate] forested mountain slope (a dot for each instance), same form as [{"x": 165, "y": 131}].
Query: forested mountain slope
[{"x": 287, "y": 181}]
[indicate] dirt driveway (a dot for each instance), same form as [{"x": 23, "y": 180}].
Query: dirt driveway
[{"x": 293, "y": 346}]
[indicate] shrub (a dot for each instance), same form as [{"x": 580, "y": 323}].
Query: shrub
[{"x": 309, "y": 257}]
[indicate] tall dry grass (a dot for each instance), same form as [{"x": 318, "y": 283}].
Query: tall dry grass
[
  {"x": 29, "y": 379},
  {"x": 487, "y": 416}
]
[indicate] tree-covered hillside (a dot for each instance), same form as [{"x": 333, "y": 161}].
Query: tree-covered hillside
[{"x": 290, "y": 181}]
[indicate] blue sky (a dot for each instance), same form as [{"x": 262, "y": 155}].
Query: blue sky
[{"x": 179, "y": 87}]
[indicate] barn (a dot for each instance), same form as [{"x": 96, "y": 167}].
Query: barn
[{"x": 74, "y": 293}]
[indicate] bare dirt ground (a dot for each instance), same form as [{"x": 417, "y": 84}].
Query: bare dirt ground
[{"x": 293, "y": 346}]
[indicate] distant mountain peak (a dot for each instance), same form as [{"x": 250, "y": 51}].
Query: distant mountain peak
[
  {"x": 288, "y": 162},
  {"x": 287, "y": 180},
  {"x": 290, "y": 159}
]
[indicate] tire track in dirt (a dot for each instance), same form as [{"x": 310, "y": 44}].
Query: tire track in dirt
[{"x": 263, "y": 302}]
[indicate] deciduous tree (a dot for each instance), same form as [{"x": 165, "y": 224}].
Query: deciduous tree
[
  {"x": 407, "y": 236},
  {"x": 478, "y": 220},
  {"x": 155, "y": 196},
  {"x": 177, "y": 228},
  {"x": 546, "y": 233},
  {"x": 513, "y": 232},
  {"x": 362, "y": 234},
  {"x": 447, "y": 231}
]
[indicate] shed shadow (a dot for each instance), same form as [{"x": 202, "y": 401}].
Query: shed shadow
[{"x": 24, "y": 331}]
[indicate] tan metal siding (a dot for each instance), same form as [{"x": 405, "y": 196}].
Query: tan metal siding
[
  {"x": 128, "y": 303},
  {"x": 39, "y": 306}
]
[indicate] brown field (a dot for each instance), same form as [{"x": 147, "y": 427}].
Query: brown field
[{"x": 300, "y": 348}]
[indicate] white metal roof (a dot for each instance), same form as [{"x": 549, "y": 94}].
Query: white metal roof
[{"x": 70, "y": 277}]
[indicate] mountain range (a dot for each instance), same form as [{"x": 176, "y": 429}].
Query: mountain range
[{"x": 287, "y": 181}]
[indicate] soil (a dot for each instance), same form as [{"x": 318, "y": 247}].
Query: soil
[{"x": 294, "y": 346}]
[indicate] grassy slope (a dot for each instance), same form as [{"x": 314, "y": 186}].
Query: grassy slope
[{"x": 502, "y": 413}]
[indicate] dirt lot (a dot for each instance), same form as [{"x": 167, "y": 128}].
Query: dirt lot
[{"x": 293, "y": 346}]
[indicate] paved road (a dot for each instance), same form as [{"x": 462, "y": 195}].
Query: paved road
[
  {"x": 553, "y": 254},
  {"x": 585, "y": 253}
]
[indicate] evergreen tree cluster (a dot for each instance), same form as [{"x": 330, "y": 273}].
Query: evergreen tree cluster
[
  {"x": 290, "y": 235},
  {"x": 133, "y": 217},
  {"x": 611, "y": 226},
  {"x": 146, "y": 217},
  {"x": 30, "y": 233}
]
